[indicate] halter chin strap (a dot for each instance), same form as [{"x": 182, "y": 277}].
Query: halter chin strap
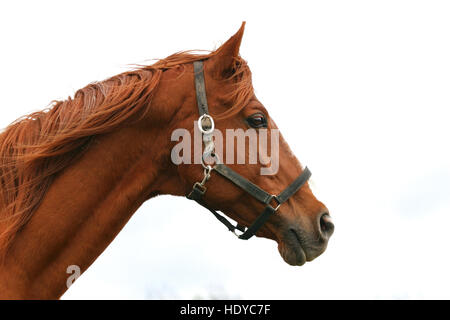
[{"x": 272, "y": 202}]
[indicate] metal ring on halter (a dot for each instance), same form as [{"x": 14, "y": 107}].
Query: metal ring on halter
[
  {"x": 200, "y": 124},
  {"x": 216, "y": 160},
  {"x": 274, "y": 197}
]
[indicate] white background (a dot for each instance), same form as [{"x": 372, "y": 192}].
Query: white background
[{"x": 359, "y": 89}]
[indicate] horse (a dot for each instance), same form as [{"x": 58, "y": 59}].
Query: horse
[{"x": 72, "y": 175}]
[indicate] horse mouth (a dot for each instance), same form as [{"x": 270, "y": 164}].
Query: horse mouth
[{"x": 291, "y": 248}]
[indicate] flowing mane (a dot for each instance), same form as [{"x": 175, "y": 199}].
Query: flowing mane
[{"x": 37, "y": 147}]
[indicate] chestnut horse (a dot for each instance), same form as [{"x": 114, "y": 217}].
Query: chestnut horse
[{"x": 73, "y": 175}]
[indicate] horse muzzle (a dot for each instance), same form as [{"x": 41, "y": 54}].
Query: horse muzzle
[{"x": 297, "y": 245}]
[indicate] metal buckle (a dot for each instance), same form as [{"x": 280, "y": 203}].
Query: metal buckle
[
  {"x": 199, "y": 187},
  {"x": 274, "y": 197}
]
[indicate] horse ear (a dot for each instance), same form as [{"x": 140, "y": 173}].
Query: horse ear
[{"x": 224, "y": 57}]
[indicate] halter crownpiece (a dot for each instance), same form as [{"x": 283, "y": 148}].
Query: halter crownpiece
[{"x": 272, "y": 202}]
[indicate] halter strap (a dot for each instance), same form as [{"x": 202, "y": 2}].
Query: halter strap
[
  {"x": 294, "y": 186},
  {"x": 199, "y": 188},
  {"x": 202, "y": 101},
  {"x": 261, "y": 195},
  {"x": 243, "y": 183}
]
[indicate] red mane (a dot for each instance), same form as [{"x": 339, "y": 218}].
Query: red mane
[{"x": 36, "y": 147}]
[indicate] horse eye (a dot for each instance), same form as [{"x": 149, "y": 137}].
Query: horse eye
[{"x": 257, "y": 121}]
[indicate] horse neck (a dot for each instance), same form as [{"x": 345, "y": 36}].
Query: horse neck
[{"x": 85, "y": 208}]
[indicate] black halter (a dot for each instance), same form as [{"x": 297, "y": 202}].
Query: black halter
[{"x": 272, "y": 202}]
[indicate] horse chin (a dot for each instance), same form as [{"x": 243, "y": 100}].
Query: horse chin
[
  {"x": 292, "y": 252},
  {"x": 292, "y": 256}
]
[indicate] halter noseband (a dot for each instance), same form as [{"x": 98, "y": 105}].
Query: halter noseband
[{"x": 206, "y": 126}]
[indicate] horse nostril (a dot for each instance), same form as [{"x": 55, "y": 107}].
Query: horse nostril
[{"x": 326, "y": 225}]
